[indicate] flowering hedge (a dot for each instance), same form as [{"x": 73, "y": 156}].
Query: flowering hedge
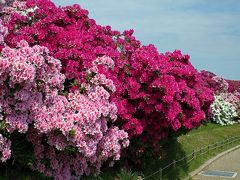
[
  {"x": 108, "y": 87},
  {"x": 144, "y": 100}
]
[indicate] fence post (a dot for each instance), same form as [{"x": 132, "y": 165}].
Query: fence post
[
  {"x": 160, "y": 173},
  {"x": 194, "y": 155}
]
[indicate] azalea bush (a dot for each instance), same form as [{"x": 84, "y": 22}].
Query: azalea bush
[
  {"x": 79, "y": 135},
  {"x": 226, "y": 91},
  {"x": 27, "y": 75},
  {"x": 231, "y": 98},
  {"x": 168, "y": 96},
  {"x": 224, "y": 113},
  {"x": 234, "y": 86},
  {"x": 234, "y": 99},
  {"x": 63, "y": 123},
  {"x": 216, "y": 83}
]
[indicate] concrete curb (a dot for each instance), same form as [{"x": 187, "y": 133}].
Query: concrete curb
[{"x": 210, "y": 161}]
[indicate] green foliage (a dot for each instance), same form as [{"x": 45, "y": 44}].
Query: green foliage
[
  {"x": 22, "y": 151},
  {"x": 126, "y": 175},
  {"x": 72, "y": 132}
]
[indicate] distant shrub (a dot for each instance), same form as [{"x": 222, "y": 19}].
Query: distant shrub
[{"x": 224, "y": 113}]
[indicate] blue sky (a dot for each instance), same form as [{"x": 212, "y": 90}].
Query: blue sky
[{"x": 207, "y": 30}]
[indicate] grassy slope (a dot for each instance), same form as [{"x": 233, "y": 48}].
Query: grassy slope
[
  {"x": 174, "y": 149},
  {"x": 186, "y": 144},
  {"x": 207, "y": 134}
]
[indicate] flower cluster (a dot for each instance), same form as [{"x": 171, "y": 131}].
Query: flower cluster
[
  {"x": 5, "y": 150},
  {"x": 72, "y": 161},
  {"x": 2, "y": 4},
  {"x": 67, "y": 32},
  {"x": 216, "y": 83},
  {"x": 223, "y": 85},
  {"x": 19, "y": 8},
  {"x": 234, "y": 99},
  {"x": 77, "y": 128},
  {"x": 226, "y": 96},
  {"x": 224, "y": 113},
  {"x": 233, "y": 86},
  {"x": 164, "y": 93},
  {"x": 27, "y": 76},
  {"x": 3, "y": 33},
  {"x": 231, "y": 98}
]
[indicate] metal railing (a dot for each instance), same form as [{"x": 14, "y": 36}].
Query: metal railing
[{"x": 195, "y": 154}]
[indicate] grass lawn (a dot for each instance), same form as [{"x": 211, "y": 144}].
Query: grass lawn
[
  {"x": 186, "y": 144},
  {"x": 173, "y": 149}
]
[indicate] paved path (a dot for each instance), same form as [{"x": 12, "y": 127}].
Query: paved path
[{"x": 229, "y": 162}]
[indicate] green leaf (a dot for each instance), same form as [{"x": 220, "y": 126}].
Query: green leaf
[{"x": 72, "y": 132}]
